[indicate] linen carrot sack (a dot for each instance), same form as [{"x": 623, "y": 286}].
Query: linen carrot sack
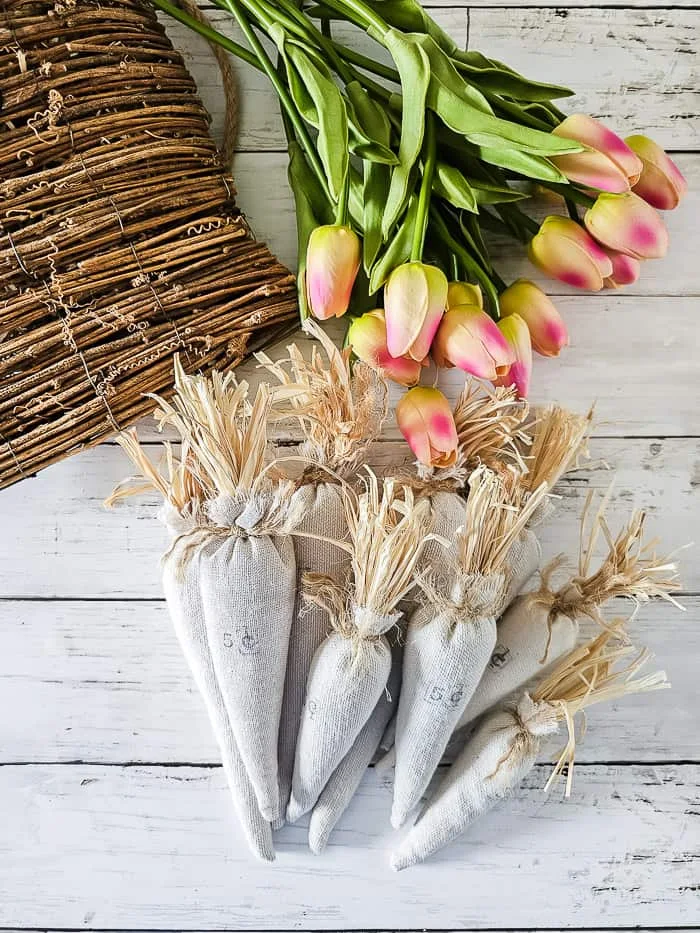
[
  {"x": 451, "y": 636},
  {"x": 181, "y": 514},
  {"x": 340, "y": 413},
  {"x": 505, "y": 746},
  {"x": 246, "y": 568},
  {"x": 540, "y": 627},
  {"x": 347, "y": 777},
  {"x": 351, "y": 667}
]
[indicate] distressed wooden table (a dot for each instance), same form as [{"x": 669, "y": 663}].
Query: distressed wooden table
[{"x": 113, "y": 807}]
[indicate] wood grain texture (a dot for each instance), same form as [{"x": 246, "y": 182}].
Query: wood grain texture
[
  {"x": 155, "y": 848},
  {"x": 270, "y": 210},
  {"x": 63, "y": 543},
  {"x": 106, "y": 682},
  {"x": 634, "y": 67}
]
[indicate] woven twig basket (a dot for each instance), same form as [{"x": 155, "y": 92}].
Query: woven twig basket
[{"x": 120, "y": 240}]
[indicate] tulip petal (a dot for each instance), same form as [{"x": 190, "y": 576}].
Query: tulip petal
[
  {"x": 415, "y": 297},
  {"x": 464, "y": 293},
  {"x": 566, "y": 259},
  {"x": 661, "y": 183},
  {"x": 626, "y": 270},
  {"x": 426, "y": 421},
  {"x": 367, "y": 338},
  {"x": 627, "y": 224},
  {"x": 592, "y": 169},
  {"x": 516, "y": 332},
  {"x": 548, "y": 331},
  {"x": 584, "y": 129},
  {"x": 332, "y": 264}
]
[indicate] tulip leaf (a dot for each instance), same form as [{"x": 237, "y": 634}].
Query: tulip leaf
[
  {"x": 494, "y": 76},
  {"x": 495, "y": 194},
  {"x": 450, "y": 183},
  {"x": 414, "y": 68},
  {"x": 471, "y": 123},
  {"x": 489, "y": 141},
  {"x": 367, "y": 132},
  {"x": 312, "y": 209},
  {"x": 376, "y": 187},
  {"x": 409, "y": 16},
  {"x": 397, "y": 251},
  {"x": 356, "y": 198},
  {"x": 320, "y": 103},
  {"x": 531, "y": 166},
  {"x": 444, "y": 73}
]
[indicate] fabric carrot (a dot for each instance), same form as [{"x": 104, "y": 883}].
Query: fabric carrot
[
  {"x": 340, "y": 413},
  {"x": 181, "y": 514},
  {"x": 505, "y": 746},
  {"x": 351, "y": 667},
  {"x": 346, "y": 778},
  {"x": 246, "y": 564},
  {"x": 540, "y": 627},
  {"x": 451, "y": 637}
]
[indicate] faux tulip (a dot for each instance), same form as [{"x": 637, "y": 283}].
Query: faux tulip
[
  {"x": 516, "y": 332},
  {"x": 626, "y": 270},
  {"x": 565, "y": 251},
  {"x": 464, "y": 293},
  {"x": 627, "y": 224},
  {"x": 426, "y": 421},
  {"x": 468, "y": 339},
  {"x": 548, "y": 332},
  {"x": 367, "y": 337},
  {"x": 661, "y": 184},
  {"x": 592, "y": 133},
  {"x": 332, "y": 264},
  {"x": 415, "y": 298}
]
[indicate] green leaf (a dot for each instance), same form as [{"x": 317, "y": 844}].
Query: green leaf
[
  {"x": 320, "y": 103},
  {"x": 489, "y": 141},
  {"x": 494, "y": 76},
  {"x": 371, "y": 117},
  {"x": 398, "y": 250},
  {"x": 531, "y": 166},
  {"x": 362, "y": 143},
  {"x": 495, "y": 194},
  {"x": 376, "y": 188},
  {"x": 414, "y": 68},
  {"x": 471, "y": 123},
  {"x": 449, "y": 183},
  {"x": 409, "y": 16},
  {"x": 312, "y": 209},
  {"x": 445, "y": 73}
]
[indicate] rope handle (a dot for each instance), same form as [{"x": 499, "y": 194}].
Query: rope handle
[{"x": 228, "y": 76}]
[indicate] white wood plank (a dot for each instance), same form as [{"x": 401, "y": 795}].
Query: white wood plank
[
  {"x": 60, "y": 541},
  {"x": 153, "y": 848},
  {"x": 270, "y": 209},
  {"x": 106, "y": 683},
  {"x": 633, "y": 67}
]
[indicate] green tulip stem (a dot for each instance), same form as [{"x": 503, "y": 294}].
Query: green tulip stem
[
  {"x": 426, "y": 188},
  {"x": 471, "y": 266},
  {"x": 362, "y": 15},
  {"x": 368, "y": 64},
  {"x": 341, "y": 211},
  {"x": 208, "y": 33},
  {"x": 282, "y": 93}
]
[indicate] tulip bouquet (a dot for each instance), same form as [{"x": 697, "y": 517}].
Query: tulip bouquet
[{"x": 401, "y": 170}]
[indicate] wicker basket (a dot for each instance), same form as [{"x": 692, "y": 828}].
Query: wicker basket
[{"x": 120, "y": 240}]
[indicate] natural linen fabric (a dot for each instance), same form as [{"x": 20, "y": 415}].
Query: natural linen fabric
[
  {"x": 493, "y": 762},
  {"x": 181, "y": 584},
  {"x": 323, "y": 514},
  {"x": 346, "y": 778},
  {"x": 347, "y": 677},
  {"x": 528, "y": 645},
  {"x": 248, "y": 585},
  {"x": 447, "y": 648}
]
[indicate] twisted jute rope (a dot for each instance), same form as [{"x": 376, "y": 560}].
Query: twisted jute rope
[{"x": 120, "y": 239}]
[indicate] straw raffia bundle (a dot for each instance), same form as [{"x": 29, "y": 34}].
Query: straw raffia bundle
[{"x": 120, "y": 239}]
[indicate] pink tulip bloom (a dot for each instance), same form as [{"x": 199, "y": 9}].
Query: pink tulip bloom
[
  {"x": 661, "y": 183},
  {"x": 426, "y": 421},
  {"x": 516, "y": 332},
  {"x": 415, "y": 298},
  {"x": 565, "y": 251},
  {"x": 626, "y": 270},
  {"x": 367, "y": 337},
  {"x": 592, "y": 133},
  {"x": 548, "y": 332},
  {"x": 627, "y": 224},
  {"x": 468, "y": 339},
  {"x": 464, "y": 293},
  {"x": 332, "y": 264}
]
